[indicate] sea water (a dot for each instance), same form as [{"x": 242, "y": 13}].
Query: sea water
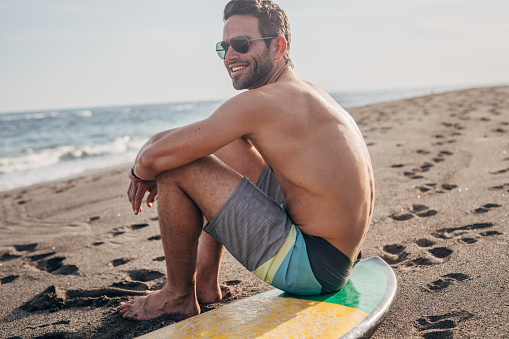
[{"x": 37, "y": 147}]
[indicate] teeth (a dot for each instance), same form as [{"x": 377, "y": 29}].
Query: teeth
[{"x": 235, "y": 69}]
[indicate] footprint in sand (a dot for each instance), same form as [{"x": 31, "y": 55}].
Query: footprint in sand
[
  {"x": 425, "y": 242},
  {"x": 435, "y": 188},
  {"x": 8, "y": 279},
  {"x": 120, "y": 261},
  {"x": 441, "y": 156},
  {"x": 449, "y": 187},
  {"x": 41, "y": 256},
  {"x": 131, "y": 285},
  {"x": 500, "y": 187},
  {"x": 446, "y": 281},
  {"x": 440, "y": 143},
  {"x": 117, "y": 231},
  {"x": 417, "y": 210},
  {"x": 15, "y": 253},
  {"x": 144, "y": 275},
  {"x": 398, "y": 253},
  {"x": 123, "y": 229},
  {"x": 501, "y": 171},
  {"x": 53, "y": 298},
  {"x": 26, "y": 248},
  {"x": 485, "y": 208},
  {"x": 457, "y": 232},
  {"x": 490, "y": 233},
  {"x": 55, "y": 266},
  {"x": 232, "y": 282},
  {"x": 440, "y": 252},
  {"x": 9, "y": 255},
  {"x": 455, "y": 126},
  {"x": 440, "y": 326},
  {"x": 120, "y": 230},
  {"x": 135, "y": 227},
  {"x": 414, "y": 173},
  {"x": 465, "y": 234},
  {"x": 500, "y": 130},
  {"x": 402, "y": 217}
]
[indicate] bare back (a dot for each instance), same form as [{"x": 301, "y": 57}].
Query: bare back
[{"x": 320, "y": 159}]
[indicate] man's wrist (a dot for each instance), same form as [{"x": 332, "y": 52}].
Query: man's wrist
[{"x": 133, "y": 175}]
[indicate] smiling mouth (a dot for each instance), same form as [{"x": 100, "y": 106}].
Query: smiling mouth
[{"x": 236, "y": 69}]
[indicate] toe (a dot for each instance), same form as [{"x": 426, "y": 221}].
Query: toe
[{"x": 123, "y": 308}]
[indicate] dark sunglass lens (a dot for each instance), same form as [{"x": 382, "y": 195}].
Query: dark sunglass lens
[{"x": 240, "y": 44}]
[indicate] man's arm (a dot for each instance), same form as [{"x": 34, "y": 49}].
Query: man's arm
[{"x": 239, "y": 116}]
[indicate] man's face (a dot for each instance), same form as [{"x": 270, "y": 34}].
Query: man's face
[{"x": 252, "y": 69}]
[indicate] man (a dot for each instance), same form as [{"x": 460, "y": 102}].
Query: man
[{"x": 301, "y": 227}]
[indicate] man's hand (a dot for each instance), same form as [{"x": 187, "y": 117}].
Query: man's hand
[{"x": 137, "y": 190}]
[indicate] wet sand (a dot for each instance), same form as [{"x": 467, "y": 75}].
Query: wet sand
[{"x": 70, "y": 251}]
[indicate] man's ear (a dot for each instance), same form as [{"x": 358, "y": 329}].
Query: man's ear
[{"x": 280, "y": 47}]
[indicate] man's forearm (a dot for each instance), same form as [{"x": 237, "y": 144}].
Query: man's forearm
[
  {"x": 177, "y": 147},
  {"x": 152, "y": 158},
  {"x": 139, "y": 169}
]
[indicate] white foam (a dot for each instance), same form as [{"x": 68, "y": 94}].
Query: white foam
[
  {"x": 84, "y": 113},
  {"x": 37, "y": 160}
]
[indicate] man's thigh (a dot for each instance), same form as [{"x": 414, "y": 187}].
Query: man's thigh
[
  {"x": 208, "y": 182},
  {"x": 243, "y": 157},
  {"x": 251, "y": 225}
]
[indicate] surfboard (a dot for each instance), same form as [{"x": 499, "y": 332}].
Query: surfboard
[{"x": 355, "y": 311}]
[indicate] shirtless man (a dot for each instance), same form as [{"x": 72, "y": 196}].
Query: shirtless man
[{"x": 281, "y": 172}]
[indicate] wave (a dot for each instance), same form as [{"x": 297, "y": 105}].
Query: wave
[
  {"x": 36, "y": 159},
  {"x": 28, "y": 116},
  {"x": 6, "y": 117}
]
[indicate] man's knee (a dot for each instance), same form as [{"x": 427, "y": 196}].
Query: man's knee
[{"x": 184, "y": 172}]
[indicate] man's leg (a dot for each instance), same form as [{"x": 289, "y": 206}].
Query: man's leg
[
  {"x": 242, "y": 157},
  {"x": 210, "y": 253},
  {"x": 185, "y": 196}
]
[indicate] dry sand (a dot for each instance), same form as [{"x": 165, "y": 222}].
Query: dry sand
[{"x": 71, "y": 251}]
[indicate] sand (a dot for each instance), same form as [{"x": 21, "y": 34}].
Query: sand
[{"x": 70, "y": 251}]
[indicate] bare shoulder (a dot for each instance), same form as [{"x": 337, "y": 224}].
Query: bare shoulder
[{"x": 247, "y": 106}]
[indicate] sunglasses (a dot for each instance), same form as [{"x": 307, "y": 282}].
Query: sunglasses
[{"x": 238, "y": 43}]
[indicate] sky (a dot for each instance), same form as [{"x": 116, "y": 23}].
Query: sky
[{"x": 57, "y": 54}]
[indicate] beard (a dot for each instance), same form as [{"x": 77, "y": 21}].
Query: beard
[{"x": 259, "y": 68}]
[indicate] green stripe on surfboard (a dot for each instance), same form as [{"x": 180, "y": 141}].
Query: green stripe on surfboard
[{"x": 363, "y": 291}]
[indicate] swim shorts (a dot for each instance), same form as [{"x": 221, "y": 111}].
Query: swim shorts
[{"x": 257, "y": 231}]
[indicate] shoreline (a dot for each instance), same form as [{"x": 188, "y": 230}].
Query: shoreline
[{"x": 71, "y": 250}]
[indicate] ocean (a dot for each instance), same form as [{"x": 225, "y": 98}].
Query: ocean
[{"x": 50, "y": 145}]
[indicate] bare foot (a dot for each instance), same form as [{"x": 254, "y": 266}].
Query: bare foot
[
  {"x": 158, "y": 304},
  {"x": 212, "y": 295},
  {"x": 209, "y": 296}
]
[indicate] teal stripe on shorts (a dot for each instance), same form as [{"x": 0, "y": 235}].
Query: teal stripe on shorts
[{"x": 294, "y": 275}]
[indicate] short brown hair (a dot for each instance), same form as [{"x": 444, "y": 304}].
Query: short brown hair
[{"x": 272, "y": 20}]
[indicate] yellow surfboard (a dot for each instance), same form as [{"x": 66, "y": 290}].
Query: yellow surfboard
[{"x": 354, "y": 312}]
